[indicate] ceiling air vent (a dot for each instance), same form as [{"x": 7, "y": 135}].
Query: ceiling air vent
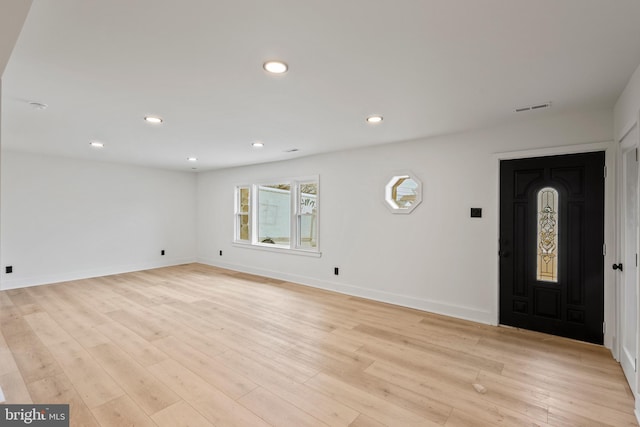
[{"x": 533, "y": 107}]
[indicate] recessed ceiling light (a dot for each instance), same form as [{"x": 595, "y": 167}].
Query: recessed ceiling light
[
  {"x": 258, "y": 144},
  {"x": 192, "y": 159},
  {"x": 275, "y": 67},
  {"x": 374, "y": 119},
  {"x": 96, "y": 144},
  {"x": 153, "y": 119}
]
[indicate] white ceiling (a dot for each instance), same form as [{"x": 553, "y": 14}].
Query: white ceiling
[{"x": 430, "y": 67}]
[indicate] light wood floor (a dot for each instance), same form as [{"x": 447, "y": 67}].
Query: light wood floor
[{"x": 199, "y": 346}]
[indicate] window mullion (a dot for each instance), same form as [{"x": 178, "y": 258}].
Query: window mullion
[
  {"x": 293, "y": 242},
  {"x": 253, "y": 219}
]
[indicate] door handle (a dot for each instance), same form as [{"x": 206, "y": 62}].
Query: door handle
[{"x": 617, "y": 266}]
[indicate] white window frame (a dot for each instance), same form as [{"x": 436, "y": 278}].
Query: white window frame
[
  {"x": 294, "y": 246},
  {"x": 238, "y": 213}
]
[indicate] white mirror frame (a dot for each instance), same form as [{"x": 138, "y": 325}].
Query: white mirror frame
[{"x": 391, "y": 203}]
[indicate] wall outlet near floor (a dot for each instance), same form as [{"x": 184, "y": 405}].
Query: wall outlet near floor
[
  {"x": 220, "y": 253},
  {"x": 336, "y": 270},
  {"x": 162, "y": 252},
  {"x": 8, "y": 269}
]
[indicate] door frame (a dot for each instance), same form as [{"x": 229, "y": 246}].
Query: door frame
[
  {"x": 610, "y": 239},
  {"x": 617, "y": 350}
]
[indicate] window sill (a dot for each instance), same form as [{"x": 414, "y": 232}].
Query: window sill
[{"x": 270, "y": 248}]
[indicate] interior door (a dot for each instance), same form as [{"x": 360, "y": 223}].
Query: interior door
[
  {"x": 551, "y": 245},
  {"x": 628, "y": 268}
]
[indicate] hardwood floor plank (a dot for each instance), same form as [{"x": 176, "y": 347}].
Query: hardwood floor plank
[
  {"x": 211, "y": 403},
  {"x": 565, "y": 384},
  {"x": 328, "y": 410},
  {"x": 427, "y": 407},
  {"x": 432, "y": 350},
  {"x": 5, "y": 301},
  {"x": 277, "y": 360},
  {"x": 276, "y": 411},
  {"x": 589, "y": 410},
  {"x": 447, "y": 369},
  {"x": 14, "y": 389},
  {"x": 131, "y": 343},
  {"x": 121, "y": 411},
  {"x": 364, "y": 421},
  {"x": 77, "y": 320},
  {"x": 180, "y": 414},
  {"x": 462, "y": 396},
  {"x": 33, "y": 358},
  {"x": 233, "y": 383},
  {"x": 562, "y": 418},
  {"x": 186, "y": 383},
  {"x": 58, "y": 389},
  {"x": 47, "y": 329},
  {"x": 7, "y": 363},
  {"x": 21, "y": 297},
  {"x": 193, "y": 329},
  {"x": 514, "y": 389},
  {"x": 142, "y": 323},
  {"x": 461, "y": 419},
  {"x": 372, "y": 406},
  {"x": 92, "y": 382},
  {"x": 324, "y": 408},
  {"x": 149, "y": 393}
]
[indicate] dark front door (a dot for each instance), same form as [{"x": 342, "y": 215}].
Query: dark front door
[{"x": 551, "y": 245}]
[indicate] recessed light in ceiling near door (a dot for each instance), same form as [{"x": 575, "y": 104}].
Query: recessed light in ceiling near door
[
  {"x": 192, "y": 159},
  {"x": 96, "y": 144},
  {"x": 374, "y": 119},
  {"x": 153, "y": 119},
  {"x": 275, "y": 67},
  {"x": 257, "y": 144}
]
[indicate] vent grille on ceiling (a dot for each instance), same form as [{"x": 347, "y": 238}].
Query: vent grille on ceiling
[{"x": 533, "y": 107}]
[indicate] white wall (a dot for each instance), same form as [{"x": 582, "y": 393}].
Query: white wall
[
  {"x": 65, "y": 219},
  {"x": 437, "y": 258},
  {"x": 625, "y": 112}
]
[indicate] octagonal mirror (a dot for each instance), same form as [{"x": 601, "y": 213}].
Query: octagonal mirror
[{"x": 403, "y": 193}]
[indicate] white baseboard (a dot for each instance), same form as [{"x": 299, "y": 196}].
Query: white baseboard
[
  {"x": 461, "y": 312},
  {"x": 24, "y": 282}
]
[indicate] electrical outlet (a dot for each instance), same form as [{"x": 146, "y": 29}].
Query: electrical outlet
[
  {"x": 336, "y": 271},
  {"x": 162, "y": 252},
  {"x": 8, "y": 269},
  {"x": 220, "y": 253}
]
